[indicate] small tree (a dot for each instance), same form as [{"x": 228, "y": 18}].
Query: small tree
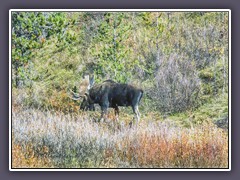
[
  {"x": 30, "y": 30},
  {"x": 110, "y": 47}
]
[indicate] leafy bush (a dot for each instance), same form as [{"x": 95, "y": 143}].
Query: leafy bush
[{"x": 177, "y": 85}]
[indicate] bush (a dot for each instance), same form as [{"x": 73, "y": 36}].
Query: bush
[{"x": 177, "y": 85}]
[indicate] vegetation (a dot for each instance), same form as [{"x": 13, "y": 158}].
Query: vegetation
[
  {"x": 44, "y": 139},
  {"x": 179, "y": 59}
]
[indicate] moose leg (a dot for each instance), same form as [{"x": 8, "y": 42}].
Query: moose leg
[
  {"x": 136, "y": 112},
  {"x": 116, "y": 111},
  {"x": 91, "y": 107},
  {"x": 103, "y": 113},
  {"x": 104, "y": 108}
]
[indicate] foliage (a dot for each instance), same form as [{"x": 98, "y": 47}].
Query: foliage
[
  {"x": 71, "y": 141},
  {"x": 110, "y": 47},
  {"x": 167, "y": 53},
  {"x": 30, "y": 31},
  {"x": 177, "y": 85},
  {"x": 214, "y": 110},
  {"x": 27, "y": 158}
]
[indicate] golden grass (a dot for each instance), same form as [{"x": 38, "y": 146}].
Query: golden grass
[
  {"x": 27, "y": 157},
  {"x": 201, "y": 147}
]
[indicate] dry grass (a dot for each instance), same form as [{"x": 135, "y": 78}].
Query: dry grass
[
  {"x": 200, "y": 147},
  {"x": 27, "y": 158},
  {"x": 45, "y": 139}
]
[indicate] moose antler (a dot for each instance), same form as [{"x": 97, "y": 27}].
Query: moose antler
[
  {"x": 73, "y": 95},
  {"x": 84, "y": 86}
]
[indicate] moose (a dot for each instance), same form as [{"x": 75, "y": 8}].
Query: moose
[{"x": 109, "y": 94}]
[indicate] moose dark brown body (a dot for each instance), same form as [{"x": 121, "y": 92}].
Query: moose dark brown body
[{"x": 112, "y": 94}]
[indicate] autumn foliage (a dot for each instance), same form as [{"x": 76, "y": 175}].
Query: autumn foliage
[{"x": 44, "y": 139}]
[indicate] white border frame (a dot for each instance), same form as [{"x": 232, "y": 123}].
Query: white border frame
[{"x": 115, "y": 10}]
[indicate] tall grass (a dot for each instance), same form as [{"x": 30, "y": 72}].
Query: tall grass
[{"x": 51, "y": 139}]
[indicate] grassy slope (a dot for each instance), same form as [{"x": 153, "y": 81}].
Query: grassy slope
[
  {"x": 154, "y": 147},
  {"x": 215, "y": 109}
]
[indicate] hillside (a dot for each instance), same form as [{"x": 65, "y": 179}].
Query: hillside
[{"x": 179, "y": 59}]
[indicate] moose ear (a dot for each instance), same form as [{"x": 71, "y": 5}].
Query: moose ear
[{"x": 91, "y": 81}]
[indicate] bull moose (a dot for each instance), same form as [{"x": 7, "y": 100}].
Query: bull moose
[{"x": 110, "y": 94}]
